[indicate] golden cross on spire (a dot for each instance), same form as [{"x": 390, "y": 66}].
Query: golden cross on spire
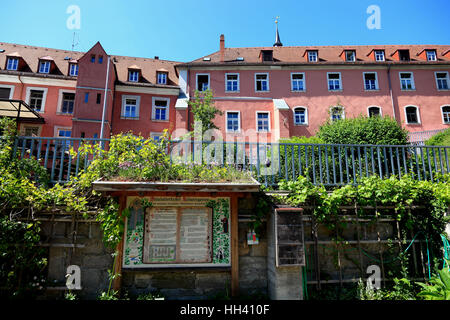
[{"x": 276, "y": 19}]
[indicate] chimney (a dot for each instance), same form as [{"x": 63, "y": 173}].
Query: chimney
[
  {"x": 156, "y": 58},
  {"x": 222, "y": 48}
]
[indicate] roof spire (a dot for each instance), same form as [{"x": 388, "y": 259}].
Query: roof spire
[{"x": 277, "y": 36}]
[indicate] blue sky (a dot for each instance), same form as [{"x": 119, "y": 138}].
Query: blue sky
[{"x": 186, "y": 30}]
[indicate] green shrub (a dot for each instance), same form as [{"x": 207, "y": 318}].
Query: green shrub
[
  {"x": 440, "y": 139},
  {"x": 363, "y": 130}
]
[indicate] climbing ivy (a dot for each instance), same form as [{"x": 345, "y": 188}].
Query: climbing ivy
[{"x": 419, "y": 207}]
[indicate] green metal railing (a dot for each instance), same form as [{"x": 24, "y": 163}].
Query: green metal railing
[{"x": 323, "y": 164}]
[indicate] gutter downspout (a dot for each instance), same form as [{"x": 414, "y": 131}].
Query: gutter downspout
[
  {"x": 390, "y": 92},
  {"x": 104, "y": 100}
]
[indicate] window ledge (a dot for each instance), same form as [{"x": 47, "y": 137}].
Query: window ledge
[
  {"x": 59, "y": 113},
  {"x": 408, "y": 90},
  {"x": 414, "y": 124},
  {"x": 336, "y": 90},
  {"x": 301, "y": 124},
  {"x": 228, "y": 91},
  {"x": 371, "y": 90},
  {"x": 129, "y": 118},
  {"x": 261, "y": 91},
  {"x": 154, "y": 120},
  {"x": 298, "y": 91}
]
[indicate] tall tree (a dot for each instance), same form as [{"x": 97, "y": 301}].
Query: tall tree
[{"x": 204, "y": 110}]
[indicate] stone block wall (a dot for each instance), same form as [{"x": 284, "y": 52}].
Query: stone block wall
[{"x": 76, "y": 244}]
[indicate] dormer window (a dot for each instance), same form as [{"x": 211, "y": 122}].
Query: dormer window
[
  {"x": 379, "y": 55},
  {"x": 133, "y": 75},
  {"x": 403, "y": 55},
  {"x": 350, "y": 55},
  {"x": 267, "y": 55},
  {"x": 92, "y": 58},
  {"x": 44, "y": 66},
  {"x": 312, "y": 56},
  {"x": 100, "y": 59},
  {"x": 161, "y": 77},
  {"x": 73, "y": 69},
  {"x": 431, "y": 55},
  {"x": 12, "y": 64}
]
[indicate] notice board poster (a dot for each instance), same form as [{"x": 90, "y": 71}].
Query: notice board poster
[{"x": 177, "y": 231}]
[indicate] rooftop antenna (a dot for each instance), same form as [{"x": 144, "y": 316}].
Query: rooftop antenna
[
  {"x": 73, "y": 41},
  {"x": 277, "y": 36}
]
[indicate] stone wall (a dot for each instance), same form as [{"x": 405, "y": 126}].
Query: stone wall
[
  {"x": 80, "y": 243},
  {"x": 76, "y": 244}
]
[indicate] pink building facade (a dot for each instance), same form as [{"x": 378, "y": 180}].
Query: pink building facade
[
  {"x": 264, "y": 92},
  {"x": 68, "y": 90},
  {"x": 281, "y": 92}
]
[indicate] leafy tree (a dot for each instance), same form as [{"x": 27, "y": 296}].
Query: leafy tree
[
  {"x": 363, "y": 130},
  {"x": 202, "y": 106}
]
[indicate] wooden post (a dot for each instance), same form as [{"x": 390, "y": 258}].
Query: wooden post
[
  {"x": 117, "y": 282},
  {"x": 234, "y": 247},
  {"x": 359, "y": 241}
]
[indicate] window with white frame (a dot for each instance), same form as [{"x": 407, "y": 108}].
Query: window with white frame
[
  {"x": 233, "y": 121},
  {"x": 30, "y": 131},
  {"x": 334, "y": 81},
  {"x": 68, "y": 102},
  {"x": 12, "y": 64},
  {"x": 379, "y": 55},
  {"x": 162, "y": 77},
  {"x": 442, "y": 80},
  {"x": 407, "y": 81},
  {"x": 337, "y": 113},
  {"x": 297, "y": 81},
  {"x": 312, "y": 56},
  {"x": 36, "y": 99},
  {"x": 412, "y": 115},
  {"x": 130, "y": 107},
  {"x": 44, "y": 66},
  {"x": 202, "y": 82},
  {"x": 350, "y": 56},
  {"x": 261, "y": 82},
  {"x": 6, "y": 92},
  {"x": 374, "y": 111},
  {"x": 370, "y": 81},
  {"x": 431, "y": 55},
  {"x": 300, "y": 116},
  {"x": 160, "y": 111},
  {"x": 232, "y": 82},
  {"x": 262, "y": 122},
  {"x": 63, "y": 133},
  {"x": 446, "y": 114},
  {"x": 73, "y": 69},
  {"x": 133, "y": 75},
  {"x": 156, "y": 136}
]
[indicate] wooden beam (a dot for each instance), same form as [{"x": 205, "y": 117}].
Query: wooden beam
[
  {"x": 117, "y": 282},
  {"x": 234, "y": 247}
]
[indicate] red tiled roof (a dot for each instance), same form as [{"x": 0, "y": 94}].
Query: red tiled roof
[
  {"x": 31, "y": 55},
  {"x": 327, "y": 54}
]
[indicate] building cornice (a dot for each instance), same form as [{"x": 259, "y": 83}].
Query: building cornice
[
  {"x": 33, "y": 79},
  {"x": 172, "y": 91}
]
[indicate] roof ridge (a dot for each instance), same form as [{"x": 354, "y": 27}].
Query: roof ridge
[{"x": 38, "y": 47}]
